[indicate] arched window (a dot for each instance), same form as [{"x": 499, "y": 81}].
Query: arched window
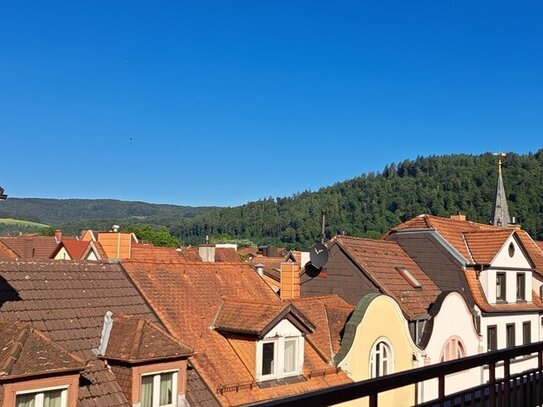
[
  {"x": 381, "y": 359},
  {"x": 453, "y": 349}
]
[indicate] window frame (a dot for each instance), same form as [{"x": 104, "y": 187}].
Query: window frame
[
  {"x": 521, "y": 277},
  {"x": 491, "y": 338},
  {"x": 40, "y": 393},
  {"x": 503, "y": 287},
  {"x": 453, "y": 346},
  {"x": 376, "y": 365},
  {"x": 156, "y": 387},
  {"x": 279, "y": 357},
  {"x": 510, "y": 337},
  {"x": 527, "y": 339}
]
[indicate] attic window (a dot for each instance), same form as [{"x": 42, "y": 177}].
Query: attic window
[
  {"x": 511, "y": 249},
  {"x": 409, "y": 277}
]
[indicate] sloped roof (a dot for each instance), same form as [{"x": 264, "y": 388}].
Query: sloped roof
[
  {"x": 134, "y": 339},
  {"x": 381, "y": 260},
  {"x": 67, "y": 301},
  {"x": 256, "y": 317},
  {"x": 6, "y": 253},
  {"x": 25, "y": 351},
  {"x": 187, "y": 298},
  {"x": 272, "y": 265},
  {"x": 330, "y": 314},
  {"x": 485, "y": 245},
  {"x": 31, "y": 247},
  {"x": 151, "y": 253},
  {"x": 454, "y": 231},
  {"x": 226, "y": 255},
  {"x": 75, "y": 248},
  {"x": 539, "y": 243}
]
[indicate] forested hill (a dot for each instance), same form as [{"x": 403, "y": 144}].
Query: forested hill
[
  {"x": 371, "y": 204},
  {"x": 364, "y": 206}
]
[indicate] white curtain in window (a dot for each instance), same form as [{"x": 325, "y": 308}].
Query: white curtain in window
[
  {"x": 25, "y": 400},
  {"x": 290, "y": 356},
  {"x": 52, "y": 398},
  {"x": 166, "y": 389},
  {"x": 147, "y": 391}
]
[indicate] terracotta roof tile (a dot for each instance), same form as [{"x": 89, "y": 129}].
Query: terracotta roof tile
[
  {"x": 485, "y": 245},
  {"x": 31, "y": 247},
  {"x": 272, "y": 265},
  {"x": 6, "y": 253},
  {"x": 454, "y": 231},
  {"x": 25, "y": 351},
  {"x": 254, "y": 317},
  {"x": 151, "y": 253},
  {"x": 226, "y": 255},
  {"x": 134, "y": 339},
  {"x": 68, "y": 300},
  {"x": 381, "y": 260},
  {"x": 75, "y": 248},
  {"x": 187, "y": 298}
]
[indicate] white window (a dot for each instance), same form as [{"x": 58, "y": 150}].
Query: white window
[
  {"x": 51, "y": 397},
  {"x": 159, "y": 389},
  {"x": 381, "y": 359},
  {"x": 279, "y": 357}
]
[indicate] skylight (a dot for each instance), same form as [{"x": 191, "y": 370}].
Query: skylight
[{"x": 409, "y": 277}]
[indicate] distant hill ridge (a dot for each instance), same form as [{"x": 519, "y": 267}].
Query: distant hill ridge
[{"x": 364, "y": 206}]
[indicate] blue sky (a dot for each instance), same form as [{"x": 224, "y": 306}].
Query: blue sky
[{"x": 219, "y": 103}]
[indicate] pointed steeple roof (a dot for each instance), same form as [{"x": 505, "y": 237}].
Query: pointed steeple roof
[{"x": 500, "y": 211}]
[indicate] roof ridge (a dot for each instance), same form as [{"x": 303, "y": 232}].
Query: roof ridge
[{"x": 369, "y": 239}]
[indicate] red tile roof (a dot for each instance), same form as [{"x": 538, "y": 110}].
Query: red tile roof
[
  {"x": 151, "y": 253},
  {"x": 454, "y": 231},
  {"x": 25, "y": 351},
  {"x": 67, "y": 300},
  {"x": 254, "y": 317},
  {"x": 539, "y": 243},
  {"x": 75, "y": 248},
  {"x": 136, "y": 340},
  {"x": 31, "y": 247},
  {"x": 6, "y": 253},
  {"x": 381, "y": 260},
  {"x": 272, "y": 265},
  {"x": 226, "y": 255},
  {"x": 187, "y": 298},
  {"x": 485, "y": 245}
]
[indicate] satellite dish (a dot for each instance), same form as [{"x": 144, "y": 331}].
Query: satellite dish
[
  {"x": 313, "y": 271},
  {"x": 318, "y": 255}
]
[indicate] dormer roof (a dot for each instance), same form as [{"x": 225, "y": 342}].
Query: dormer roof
[
  {"x": 26, "y": 351},
  {"x": 485, "y": 245},
  {"x": 258, "y": 318},
  {"x": 137, "y": 340}
]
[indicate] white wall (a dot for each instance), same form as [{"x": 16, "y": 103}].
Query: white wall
[{"x": 453, "y": 319}]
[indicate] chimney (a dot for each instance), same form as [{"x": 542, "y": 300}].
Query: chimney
[
  {"x": 58, "y": 235},
  {"x": 458, "y": 216},
  {"x": 207, "y": 253},
  {"x": 259, "y": 267},
  {"x": 290, "y": 281}
]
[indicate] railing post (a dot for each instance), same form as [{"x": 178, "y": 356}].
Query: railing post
[
  {"x": 441, "y": 389},
  {"x": 492, "y": 383},
  {"x": 373, "y": 399},
  {"x": 506, "y": 380}
]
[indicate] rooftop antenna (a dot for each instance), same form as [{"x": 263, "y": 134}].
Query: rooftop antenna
[
  {"x": 207, "y": 239},
  {"x": 323, "y": 226}
]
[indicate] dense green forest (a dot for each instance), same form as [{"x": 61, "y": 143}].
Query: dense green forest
[{"x": 364, "y": 206}]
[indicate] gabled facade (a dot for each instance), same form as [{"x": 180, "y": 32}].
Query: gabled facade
[{"x": 371, "y": 348}]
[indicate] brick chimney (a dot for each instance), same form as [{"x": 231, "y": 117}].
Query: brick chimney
[
  {"x": 458, "y": 216},
  {"x": 290, "y": 281},
  {"x": 58, "y": 235}
]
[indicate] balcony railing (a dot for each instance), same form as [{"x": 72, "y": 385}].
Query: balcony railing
[{"x": 523, "y": 389}]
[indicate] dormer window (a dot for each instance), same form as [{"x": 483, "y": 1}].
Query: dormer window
[
  {"x": 158, "y": 389},
  {"x": 52, "y": 397},
  {"x": 279, "y": 357},
  {"x": 500, "y": 286}
]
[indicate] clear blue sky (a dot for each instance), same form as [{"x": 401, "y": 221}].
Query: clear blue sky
[{"x": 219, "y": 103}]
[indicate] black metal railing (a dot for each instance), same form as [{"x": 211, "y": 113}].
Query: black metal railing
[{"x": 523, "y": 389}]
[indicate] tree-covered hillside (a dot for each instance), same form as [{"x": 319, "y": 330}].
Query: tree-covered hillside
[
  {"x": 364, "y": 206},
  {"x": 371, "y": 204}
]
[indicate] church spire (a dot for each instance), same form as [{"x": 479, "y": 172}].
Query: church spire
[{"x": 500, "y": 211}]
